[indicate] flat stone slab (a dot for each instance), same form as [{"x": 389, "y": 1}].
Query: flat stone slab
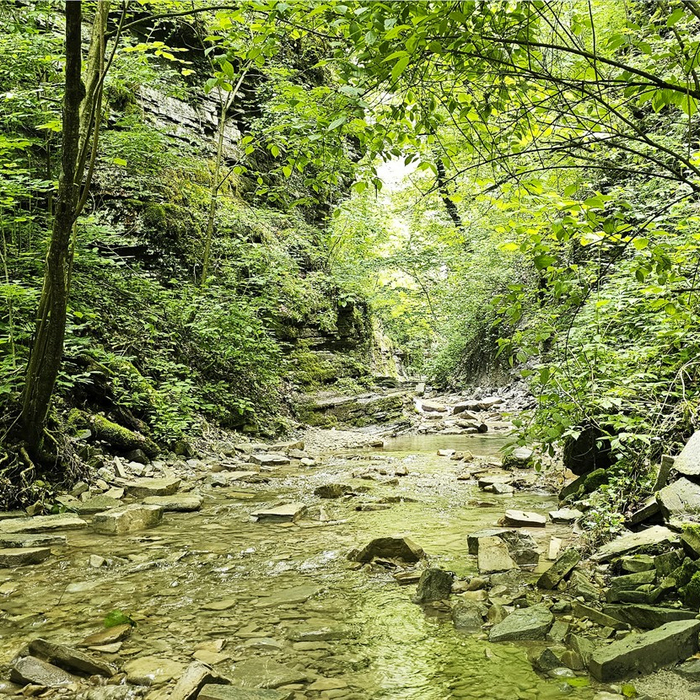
[
  {"x": 110, "y": 635},
  {"x": 645, "y": 652},
  {"x": 151, "y": 670},
  {"x": 41, "y": 523},
  {"x": 263, "y": 672},
  {"x": 486, "y": 481},
  {"x": 524, "y": 624},
  {"x": 270, "y": 460},
  {"x": 648, "y": 617},
  {"x": 475, "y": 537},
  {"x": 565, "y": 515},
  {"x": 631, "y": 541},
  {"x": 688, "y": 461},
  {"x": 71, "y": 659},
  {"x": 143, "y": 488},
  {"x": 175, "y": 503},
  {"x": 679, "y": 499},
  {"x": 231, "y": 692},
  {"x": 494, "y": 556},
  {"x": 96, "y": 504},
  {"x": 23, "y": 556},
  {"x": 128, "y": 519},
  {"x": 14, "y": 541},
  {"x": 37, "y": 672},
  {"x": 287, "y": 512},
  {"x": 597, "y": 616},
  {"x": 520, "y": 518}
]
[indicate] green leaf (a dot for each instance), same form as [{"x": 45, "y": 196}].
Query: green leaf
[
  {"x": 544, "y": 261},
  {"x": 287, "y": 170},
  {"x": 399, "y": 67},
  {"x": 675, "y": 16},
  {"x": 117, "y": 617},
  {"x": 119, "y": 161}
]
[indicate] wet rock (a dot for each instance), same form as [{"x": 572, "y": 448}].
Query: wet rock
[
  {"x": 143, "y": 488},
  {"x": 657, "y": 536},
  {"x": 434, "y": 584},
  {"x": 433, "y": 406},
  {"x": 565, "y": 515},
  {"x": 284, "y": 512},
  {"x": 37, "y": 672},
  {"x": 151, "y": 670},
  {"x": 23, "y": 556},
  {"x": 127, "y": 519},
  {"x": 407, "y": 578},
  {"x": 645, "y": 652},
  {"x": 485, "y": 481},
  {"x": 32, "y": 541},
  {"x": 229, "y": 692},
  {"x": 270, "y": 460},
  {"x": 324, "y": 684},
  {"x": 647, "y": 616},
  {"x": 493, "y": 555},
  {"x": 547, "y": 659},
  {"x": 107, "y": 636},
  {"x": 519, "y": 458},
  {"x": 500, "y": 489},
  {"x": 636, "y": 563},
  {"x": 332, "y": 490},
  {"x": 467, "y": 617},
  {"x": 399, "y": 548},
  {"x": 519, "y": 518},
  {"x": 41, "y": 523},
  {"x": 317, "y": 630},
  {"x": 558, "y": 631},
  {"x": 265, "y": 673},
  {"x": 688, "y": 461},
  {"x": 176, "y": 503},
  {"x": 559, "y": 570},
  {"x": 71, "y": 659},
  {"x": 287, "y": 446},
  {"x": 96, "y": 561},
  {"x": 524, "y": 624}
]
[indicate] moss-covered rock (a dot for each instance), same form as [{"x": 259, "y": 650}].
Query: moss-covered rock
[
  {"x": 691, "y": 592},
  {"x": 121, "y": 438}
]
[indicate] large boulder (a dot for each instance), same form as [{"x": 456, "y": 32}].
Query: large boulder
[
  {"x": 679, "y": 500},
  {"x": 688, "y": 461},
  {"x": 653, "y": 537},
  {"x": 645, "y": 652},
  {"x": 434, "y": 584},
  {"x": 586, "y": 453}
]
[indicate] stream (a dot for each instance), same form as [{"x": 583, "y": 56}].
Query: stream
[{"x": 280, "y": 601}]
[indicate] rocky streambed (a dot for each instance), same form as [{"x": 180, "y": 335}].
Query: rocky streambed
[{"x": 347, "y": 567}]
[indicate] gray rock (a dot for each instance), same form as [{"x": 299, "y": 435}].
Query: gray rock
[
  {"x": 524, "y": 624},
  {"x": 635, "y": 563},
  {"x": 143, "y": 488},
  {"x": 663, "y": 472},
  {"x": 138, "y": 456},
  {"x": 467, "y": 617},
  {"x": 96, "y": 504},
  {"x": 332, "y": 490},
  {"x": 151, "y": 670},
  {"x": 689, "y": 670},
  {"x": 434, "y": 584},
  {"x": 647, "y": 616},
  {"x": 107, "y": 636},
  {"x": 493, "y": 555},
  {"x": 263, "y": 672},
  {"x": 37, "y": 672},
  {"x": 679, "y": 499},
  {"x": 270, "y": 460},
  {"x": 519, "y": 518},
  {"x": 288, "y": 596},
  {"x": 23, "y": 556},
  {"x": 195, "y": 677},
  {"x": 230, "y": 692},
  {"x": 41, "y": 523},
  {"x": 547, "y": 659},
  {"x": 127, "y": 519},
  {"x": 519, "y": 458},
  {"x": 71, "y": 659},
  {"x": 400, "y": 548},
  {"x": 657, "y": 536},
  {"x": 485, "y": 482},
  {"x": 645, "y": 652},
  {"x": 688, "y": 461},
  {"x": 648, "y": 510},
  {"x": 284, "y": 512},
  {"x": 176, "y": 503},
  {"x": 559, "y": 570},
  {"x": 582, "y": 586},
  {"x": 565, "y": 515}
]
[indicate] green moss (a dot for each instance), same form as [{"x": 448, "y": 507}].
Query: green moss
[
  {"x": 691, "y": 592},
  {"x": 685, "y": 572},
  {"x": 121, "y": 438}
]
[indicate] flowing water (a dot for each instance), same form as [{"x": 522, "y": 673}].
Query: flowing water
[{"x": 260, "y": 586}]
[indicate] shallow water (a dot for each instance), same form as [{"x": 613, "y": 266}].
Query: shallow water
[{"x": 384, "y": 646}]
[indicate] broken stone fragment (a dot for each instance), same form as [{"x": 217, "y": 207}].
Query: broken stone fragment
[
  {"x": 71, "y": 659},
  {"x": 23, "y": 556},
  {"x": 41, "y": 523},
  {"x": 152, "y": 487},
  {"x": 127, "y": 519},
  {"x": 284, "y": 512},
  {"x": 519, "y": 518},
  {"x": 559, "y": 570},
  {"x": 195, "y": 677},
  {"x": 434, "y": 584},
  {"x": 37, "y": 672},
  {"x": 531, "y": 623},
  {"x": 176, "y": 503},
  {"x": 400, "y": 548}
]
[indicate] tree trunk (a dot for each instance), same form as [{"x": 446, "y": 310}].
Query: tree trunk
[
  {"x": 47, "y": 350},
  {"x": 444, "y": 191}
]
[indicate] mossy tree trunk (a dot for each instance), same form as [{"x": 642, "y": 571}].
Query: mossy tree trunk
[{"x": 79, "y": 115}]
